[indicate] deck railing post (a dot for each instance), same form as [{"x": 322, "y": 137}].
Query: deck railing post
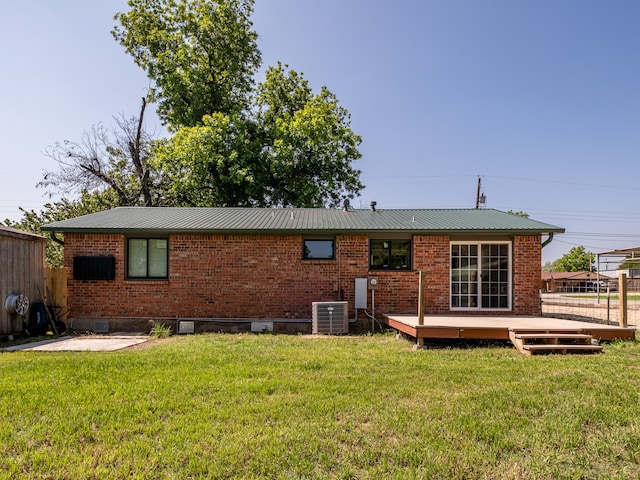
[
  {"x": 622, "y": 301},
  {"x": 420, "y": 297}
]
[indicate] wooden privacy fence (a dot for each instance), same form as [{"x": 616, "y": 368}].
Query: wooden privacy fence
[{"x": 56, "y": 284}]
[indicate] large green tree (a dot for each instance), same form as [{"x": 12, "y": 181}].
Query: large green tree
[
  {"x": 309, "y": 146},
  {"x": 578, "y": 259},
  {"x": 211, "y": 164},
  {"x": 201, "y": 55},
  {"x": 234, "y": 143},
  {"x": 292, "y": 148}
]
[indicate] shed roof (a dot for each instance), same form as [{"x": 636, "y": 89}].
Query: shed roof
[
  {"x": 582, "y": 275},
  {"x": 300, "y": 220},
  {"x": 633, "y": 251},
  {"x": 15, "y": 233}
]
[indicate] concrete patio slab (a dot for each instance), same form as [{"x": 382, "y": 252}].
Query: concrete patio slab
[{"x": 85, "y": 343}]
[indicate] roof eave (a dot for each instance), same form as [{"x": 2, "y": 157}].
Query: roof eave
[{"x": 305, "y": 231}]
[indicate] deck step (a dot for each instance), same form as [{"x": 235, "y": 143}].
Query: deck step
[
  {"x": 563, "y": 336},
  {"x": 531, "y": 342},
  {"x": 567, "y": 348}
]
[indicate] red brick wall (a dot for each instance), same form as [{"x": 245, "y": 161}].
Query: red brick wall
[
  {"x": 249, "y": 276},
  {"x": 527, "y": 272}
]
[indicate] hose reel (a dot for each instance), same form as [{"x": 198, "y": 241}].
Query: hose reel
[{"x": 18, "y": 304}]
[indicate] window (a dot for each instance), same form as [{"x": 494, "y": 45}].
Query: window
[
  {"x": 481, "y": 275},
  {"x": 390, "y": 255},
  {"x": 147, "y": 258},
  {"x": 318, "y": 249}
]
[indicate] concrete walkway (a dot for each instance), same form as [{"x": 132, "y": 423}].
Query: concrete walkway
[{"x": 84, "y": 343}]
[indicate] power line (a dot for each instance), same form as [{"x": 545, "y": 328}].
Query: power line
[{"x": 528, "y": 180}]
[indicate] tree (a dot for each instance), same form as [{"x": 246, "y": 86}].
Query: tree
[
  {"x": 309, "y": 145},
  {"x": 548, "y": 266},
  {"x": 212, "y": 164},
  {"x": 201, "y": 55},
  {"x": 61, "y": 210},
  {"x": 293, "y": 148},
  {"x": 105, "y": 169},
  {"x": 234, "y": 144},
  {"x": 114, "y": 159},
  {"x": 519, "y": 213},
  {"x": 577, "y": 260},
  {"x": 630, "y": 261}
]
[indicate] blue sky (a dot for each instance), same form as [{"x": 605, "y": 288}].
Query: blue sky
[{"x": 541, "y": 99}]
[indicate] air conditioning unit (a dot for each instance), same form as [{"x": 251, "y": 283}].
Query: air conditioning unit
[{"x": 330, "y": 317}]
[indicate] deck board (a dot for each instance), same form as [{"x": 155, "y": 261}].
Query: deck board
[{"x": 496, "y": 327}]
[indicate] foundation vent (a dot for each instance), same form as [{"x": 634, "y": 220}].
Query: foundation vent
[
  {"x": 101, "y": 326},
  {"x": 186, "y": 326}
]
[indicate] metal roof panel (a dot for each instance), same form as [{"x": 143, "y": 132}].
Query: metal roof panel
[{"x": 289, "y": 220}]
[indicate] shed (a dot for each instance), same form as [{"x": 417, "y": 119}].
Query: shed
[{"x": 22, "y": 276}]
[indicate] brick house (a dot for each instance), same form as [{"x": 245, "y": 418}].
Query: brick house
[{"x": 228, "y": 268}]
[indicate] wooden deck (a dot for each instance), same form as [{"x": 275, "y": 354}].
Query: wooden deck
[{"x": 487, "y": 327}]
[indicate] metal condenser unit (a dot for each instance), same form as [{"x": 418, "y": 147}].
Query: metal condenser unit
[{"x": 330, "y": 317}]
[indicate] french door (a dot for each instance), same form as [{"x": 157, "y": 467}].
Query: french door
[{"x": 481, "y": 275}]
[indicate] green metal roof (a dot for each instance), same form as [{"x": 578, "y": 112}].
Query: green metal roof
[{"x": 300, "y": 220}]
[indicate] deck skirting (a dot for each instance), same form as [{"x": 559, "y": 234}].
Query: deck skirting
[{"x": 496, "y": 327}]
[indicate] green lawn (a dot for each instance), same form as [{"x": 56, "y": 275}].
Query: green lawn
[
  {"x": 264, "y": 406},
  {"x": 631, "y": 296},
  {"x": 613, "y": 296}
]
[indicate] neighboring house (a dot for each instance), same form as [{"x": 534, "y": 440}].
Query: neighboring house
[
  {"x": 633, "y": 278},
  {"x": 221, "y": 267},
  {"x": 22, "y": 277},
  {"x": 567, "y": 282}
]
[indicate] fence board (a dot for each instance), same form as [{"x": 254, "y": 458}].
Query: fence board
[{"x": 56, "y": 281}]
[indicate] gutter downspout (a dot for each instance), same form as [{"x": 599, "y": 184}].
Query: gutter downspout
[
  {"x": 544, "y": 244},
  {"x": 52, "y": 236},
  {"x": 548, "y": 240}
]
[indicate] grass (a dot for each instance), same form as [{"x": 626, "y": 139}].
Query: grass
[
  {"x": 160, "y": 330},
  {"x": 612, "y": 296},
  {"x": 266, "y": 406}
]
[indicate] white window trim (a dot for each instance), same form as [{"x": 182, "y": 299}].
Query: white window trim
[{"x": 509, "y": 276}]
